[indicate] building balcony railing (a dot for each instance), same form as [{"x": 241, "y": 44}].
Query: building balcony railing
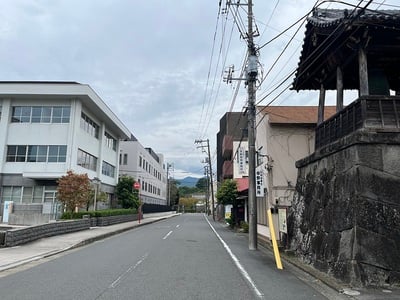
[
  {"x": 227, "y": 147},
  {"x": 227, "y": 169},
  {"x": 381, "y": 113}
]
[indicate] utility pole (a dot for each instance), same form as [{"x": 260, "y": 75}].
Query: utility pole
[
  {"x": 210, "y": 168},
  {"x": 169, "y": 184},
  {"x": 252, "y": 72},
  {"x": 251, "y": 79},
  {"x": 208, "y": 188}
]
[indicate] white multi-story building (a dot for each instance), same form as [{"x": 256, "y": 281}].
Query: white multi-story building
[
  {"x": 146, "y": 167},
  {"x": 48, "y": 128}
]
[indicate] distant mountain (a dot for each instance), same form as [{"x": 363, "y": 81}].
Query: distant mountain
[{"x": 188, "y": 181}]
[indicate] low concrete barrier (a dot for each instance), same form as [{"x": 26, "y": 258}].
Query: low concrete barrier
[
  {"x": 14, "y": 237},
  {"x": 106, "y": 221}
]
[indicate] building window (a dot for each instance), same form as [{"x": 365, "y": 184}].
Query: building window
[
  {"x": 36, "y": 153},
  {"x": 88, "y": 125},
  {"x": 125, "y": 159},
  {"x": 40, "y": 114},
  {"x": 140, "y": 161},
  {"x": 16, "y": 154},
  {"x": 57, "y": 153},
  {"x": 108, "y": 169},
  {"x": 12, "y": 193},
  {"x": 87, "y": 160},
  {"x": 110, "y": 141}
]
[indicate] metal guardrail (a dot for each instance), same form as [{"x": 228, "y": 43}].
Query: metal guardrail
[{"x": 380, "y": 113}]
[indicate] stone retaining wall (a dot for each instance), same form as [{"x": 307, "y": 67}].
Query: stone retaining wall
[
  {"x": 345, "y": 217},
  {"x": 20, "y": 236}
]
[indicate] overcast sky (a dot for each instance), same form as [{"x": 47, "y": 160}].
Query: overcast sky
[{"x": 153, "y": 62}]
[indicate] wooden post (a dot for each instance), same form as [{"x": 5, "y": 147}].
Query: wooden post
[
  {"x": 321, "y": 105},
  {"x": 363, "y": 72},
  {"x": 339, "y": 89}
]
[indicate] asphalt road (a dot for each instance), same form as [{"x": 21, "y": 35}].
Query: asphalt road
[{"x": 185, "y": 257}]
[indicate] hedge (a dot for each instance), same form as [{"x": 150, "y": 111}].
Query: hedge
[{"x": 97, "y": 213}]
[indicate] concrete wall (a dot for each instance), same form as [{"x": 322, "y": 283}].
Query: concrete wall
[{"x": 345, "y": 218}]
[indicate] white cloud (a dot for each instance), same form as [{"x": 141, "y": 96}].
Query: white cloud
[{"x": 149, "y": 61}]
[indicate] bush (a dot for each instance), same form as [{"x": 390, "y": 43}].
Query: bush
[
  {"x": 97, "y": 213},
  {"x": 230, "y": 221},
  {"x": 245, "y": 226}
]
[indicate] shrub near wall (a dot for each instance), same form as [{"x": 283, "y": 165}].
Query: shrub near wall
[{"x": 104, "y": 217}]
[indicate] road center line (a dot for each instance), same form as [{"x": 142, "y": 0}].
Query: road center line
[
  {"x": 130, "y": 269},
  {"x": 167, "y": 235},
  {"x": 242, "y": 270}
]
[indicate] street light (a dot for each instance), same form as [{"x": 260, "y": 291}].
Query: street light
[{"x": 95, "y": 181}]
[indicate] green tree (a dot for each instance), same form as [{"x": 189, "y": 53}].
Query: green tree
[
  {"x": 202, "y": 184},
  {"x": 173, "y": 192},
  {"x": 227, "y": 192},
  {"x": 100, "y": 197},
  {"x": 127, "y": 196},
  {"x": 73, "y": 190}
]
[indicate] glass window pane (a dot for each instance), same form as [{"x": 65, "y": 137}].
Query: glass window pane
[
  {"x": 16, "y": 194},
  {"x": 37, "y": 194},
  {"x": 65, "y": 114},
  {"x": 62, "y": 154},
  {"x": 57, "y": 114},
  {"x": 21, "y": 153},
  {"x": 27, "y": 195},
  {"x": 26, "y": 114},
  {"x": 42, "y": 153},
  {"x": 46, "y": 114},
  {"x": 36, "y": 114},
  {"x": 11, "y": 153},
  {"x": 32, "y": 153},
  {"x": 16, "y": 114}
]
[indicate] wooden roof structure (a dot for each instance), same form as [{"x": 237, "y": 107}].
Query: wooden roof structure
[{"x": 333, "y": 38}]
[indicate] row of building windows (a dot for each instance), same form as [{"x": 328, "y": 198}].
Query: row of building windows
[
  {"x": 36, "y": 153},
  {"x": 148, "y": 187},
  {"x": 41, "y": 114},
  {"x": 56, "y": 154},
  {"x": 108, "y": 169},
  {"x": 110, "y": 141},
  {"x": 35, "y": 194},
  {"x": 149, "y": 168},
  {"x": 90, "y": 126},
  {"x": 88, "y": 161}
]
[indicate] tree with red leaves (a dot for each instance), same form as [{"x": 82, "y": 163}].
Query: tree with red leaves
[{"x": 73, "y": 190}]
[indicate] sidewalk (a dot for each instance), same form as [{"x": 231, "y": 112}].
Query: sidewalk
[{"x": 19, "y": 255}]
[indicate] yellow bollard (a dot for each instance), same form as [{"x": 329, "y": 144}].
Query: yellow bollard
[{"x": 274, "y": 243}]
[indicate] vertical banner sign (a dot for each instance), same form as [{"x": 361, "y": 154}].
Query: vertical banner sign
[
  {"x": 241, "y": 158},
  {"x": 259, "y": 182},
  {"x": 282, "y": 220}
]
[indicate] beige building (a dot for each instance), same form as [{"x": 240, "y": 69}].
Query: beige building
[{"x": 284, "y": 134}]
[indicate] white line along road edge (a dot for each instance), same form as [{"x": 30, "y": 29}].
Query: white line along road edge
[{"x": 244, "y": 273}]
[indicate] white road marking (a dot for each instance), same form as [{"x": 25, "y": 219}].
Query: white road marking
[
  {"x": 130, "y": 269},
  {"x": 177, "y": 226},
  {"x": 167, "y": 235},
  {"x": 242, "y": 270}
]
